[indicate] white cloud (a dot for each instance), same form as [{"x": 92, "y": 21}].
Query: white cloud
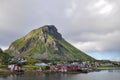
[
  {"x": 88, "y": 46},
  {"x": 106, "y": 9},
  {"x": 4, "y": 47},
  {"x": 71, "y": 9},
  {"x": 103, "y": 7},
  {"x": 100, "y": 3}
]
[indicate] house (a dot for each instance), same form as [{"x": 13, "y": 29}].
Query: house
[
  {"x": 72, "y": 67},
  {"x": 19, "y": 59},
  {"x": 14, "y": 67},
  {"x": 63, "y": 68},
  {"x": 53, "y": 68},
  {"x": 41, "y": 64},
  {"x": 75, "y": 63}
]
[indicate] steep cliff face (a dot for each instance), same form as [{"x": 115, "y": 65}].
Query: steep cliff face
[{"x": 46, "y": 43}]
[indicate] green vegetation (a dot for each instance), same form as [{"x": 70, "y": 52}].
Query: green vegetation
[
  {"x": 4, "y": 57},
  {"x": 77, "y": 54},
  {"x": 4, "y": 60},
  {"x": 3, "y": 67},
  {"x": 31, "y": 61},
  {"x": 1, "y": 50},
  {"x": 45, "y": 67},
  {"x": 31, "y": 67}
]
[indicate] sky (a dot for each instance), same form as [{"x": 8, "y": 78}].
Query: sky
[{"x": 92, "y": 26}]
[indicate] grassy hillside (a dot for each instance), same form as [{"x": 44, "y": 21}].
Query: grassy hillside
[{"x": 46, "y": 43}]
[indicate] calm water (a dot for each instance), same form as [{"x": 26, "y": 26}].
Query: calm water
[{"x": 102, "y": 75}]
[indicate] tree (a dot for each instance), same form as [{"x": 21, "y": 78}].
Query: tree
[{"x": 6, "y": 58}]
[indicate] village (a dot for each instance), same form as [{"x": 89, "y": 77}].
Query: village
[
  {"x": 84, "y": 67},
  {"x": 42, "y": 67}
]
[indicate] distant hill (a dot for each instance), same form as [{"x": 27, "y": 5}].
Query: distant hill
[
  {"x": 1, "y": 55},
  {"x": 4, "y": 57},
  {"x": 1, "y": 51},
  {"x": 46, "y": 43}
]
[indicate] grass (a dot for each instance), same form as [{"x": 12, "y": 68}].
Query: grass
[
  {"x": 107, "y": 67},
  {"x": 31, "y": 67},
  {"x": 3, "y": 67}
]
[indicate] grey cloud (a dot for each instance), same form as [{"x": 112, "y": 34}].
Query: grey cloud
[
  {"x": 75, "y": 19},
  {"x": 99, "y": 42},
  {"x": 19, "y": 17},
  {"x": 89, "y": 27}
]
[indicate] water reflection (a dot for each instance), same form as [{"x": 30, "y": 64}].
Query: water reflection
[
  {"x": 114, "y": 71},
  {"x": 102, "y": 75}
]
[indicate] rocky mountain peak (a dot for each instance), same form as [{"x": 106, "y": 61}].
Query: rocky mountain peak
[{"x": 52, "y": 30}]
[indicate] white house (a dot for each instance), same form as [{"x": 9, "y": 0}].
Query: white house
[{"x": 41, "y": 64}]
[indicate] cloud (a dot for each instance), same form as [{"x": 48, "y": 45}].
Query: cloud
[
  {"x": 103, "y": 7},
  {"x": 90, "y": 25},
  {"x": 99, "y": 42},
  {"x": 4, "y": 47},
  {"x": 91, "y": 31},
  {"x": 19, "y": 17}
]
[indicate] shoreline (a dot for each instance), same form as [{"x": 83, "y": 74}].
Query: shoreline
[
  {"x": 8, "y": 72},
  {"x": 108, "y": 68}
]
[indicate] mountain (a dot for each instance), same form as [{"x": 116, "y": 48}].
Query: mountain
[{"x": 46, "y": 43}]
